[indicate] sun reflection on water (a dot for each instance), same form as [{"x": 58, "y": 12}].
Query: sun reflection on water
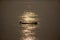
[
  {"x": 28, "y": 31},
  {"x": 29, "y": 17}
]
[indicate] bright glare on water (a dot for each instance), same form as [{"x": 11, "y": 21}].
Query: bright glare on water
[{"x": 28, "y": 30}]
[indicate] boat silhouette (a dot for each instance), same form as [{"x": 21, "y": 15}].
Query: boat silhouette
[{"x": 28, "y": 23}]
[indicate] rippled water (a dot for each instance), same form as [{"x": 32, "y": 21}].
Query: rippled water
[
  {"x": 29, "y": 23},
  {"x": 28, "y": 32}
]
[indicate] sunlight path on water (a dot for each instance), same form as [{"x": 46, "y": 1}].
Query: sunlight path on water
[{"x": 28, "y": 30}]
